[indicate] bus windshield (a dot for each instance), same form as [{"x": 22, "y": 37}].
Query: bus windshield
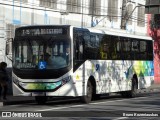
[{"x": 42, "y": 54}]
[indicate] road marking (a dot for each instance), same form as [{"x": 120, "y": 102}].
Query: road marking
[
  {"x": 60, "y": 108},
  {"x": 121, "y": 118},
  {"x": 87, "y": 104},
  {"x": 117, "y": 100}
]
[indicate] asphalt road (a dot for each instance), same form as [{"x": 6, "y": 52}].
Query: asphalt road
[{"x": 144, "y": 106}]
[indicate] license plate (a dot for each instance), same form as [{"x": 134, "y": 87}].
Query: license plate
[{"x": 38, "y": 94}]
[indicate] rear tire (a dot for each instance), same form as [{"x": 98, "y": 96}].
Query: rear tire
[
  {"x": 41, "y": 99},
  {"x": 133, "y": 92},
  {"x": 88, "y": 97}
]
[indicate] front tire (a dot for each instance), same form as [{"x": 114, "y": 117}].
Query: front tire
[
  {"x": 88, "y": 97},
  {"x": 96, "y": 96},
  {"x": 124, "y": 94}
]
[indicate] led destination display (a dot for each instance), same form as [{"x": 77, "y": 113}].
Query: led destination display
[{"x": 29, "y": 31}]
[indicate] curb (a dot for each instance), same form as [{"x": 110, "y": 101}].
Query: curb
[{"x": 151, "y": 90}]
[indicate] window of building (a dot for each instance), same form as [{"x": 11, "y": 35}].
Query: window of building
[
  {"x": 10, "y": 32},
  {"x": 23, "y": 1},
  {"x": 95, "y": 7},
  {"x": 73, "y": 5},
  {"x": 48, "y": 3},
  {"x": 113, "y": 10},
  {"x": 141, "y": 16},
  {"x": 155, "y": 20},
  {"x": 10, "y": 28}
]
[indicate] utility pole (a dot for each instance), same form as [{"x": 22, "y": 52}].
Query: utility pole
[
  {"x": 123, "y": 14},
  {"x": 82, "y": 16},
  {"x": 92, "y": 13},
  {"x": 32, "y": 14}
]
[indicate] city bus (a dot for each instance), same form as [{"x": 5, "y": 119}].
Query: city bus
[{"x": 68, "y": 61}]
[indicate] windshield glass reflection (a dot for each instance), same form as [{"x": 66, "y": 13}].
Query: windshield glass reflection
[{"x": 34, "y": 54}]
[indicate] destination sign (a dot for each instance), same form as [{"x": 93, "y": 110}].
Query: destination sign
[{"x": 41, "y": 31}]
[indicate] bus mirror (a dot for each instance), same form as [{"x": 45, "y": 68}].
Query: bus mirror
[{"x": 8, "y": 50}]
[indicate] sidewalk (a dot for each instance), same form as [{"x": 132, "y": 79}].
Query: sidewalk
[
  {"x": 154, "y": 86},
  {"x": 12, "y": 100}
]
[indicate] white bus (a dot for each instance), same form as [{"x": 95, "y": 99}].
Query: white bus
[{"x": 62, "y": 60}]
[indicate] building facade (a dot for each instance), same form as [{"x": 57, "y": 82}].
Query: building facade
[
  {"x": 154, "y": 31},
  {"x": 119, "y": 14}
]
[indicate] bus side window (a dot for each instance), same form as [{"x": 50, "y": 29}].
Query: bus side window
[
  {"x": 104, "y": 47},
  {"x": 149, "y": 50},
  {"x": 79, "y": 48},
  {"x": 143, "y": 50},
  {"x": 135, "y": 49},
  {"x": 126, "y": 48},
  {"x": 118, "y": 47},
  {"x": 86, "y": 45}
]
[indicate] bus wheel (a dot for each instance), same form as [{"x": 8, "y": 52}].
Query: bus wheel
[
  {"x": 124, "y": 94},
  {"x": 96, "y": 97},
  {"x": 41, "y": 99},
  {"x": 133, "y": 92},
  {"x": 88, "y": 97}
]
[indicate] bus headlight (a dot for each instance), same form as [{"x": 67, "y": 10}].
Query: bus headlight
[
  {"x": 66, "y": 80},
  {"x": 22, "y": 84},
  {"x": 15, "y": 81}
]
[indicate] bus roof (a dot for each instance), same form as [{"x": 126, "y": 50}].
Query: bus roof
[
  {"x": 109, "y": 31},
  {"x": 33, "y": 26},
  {"x": 117, "y": 32}
]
